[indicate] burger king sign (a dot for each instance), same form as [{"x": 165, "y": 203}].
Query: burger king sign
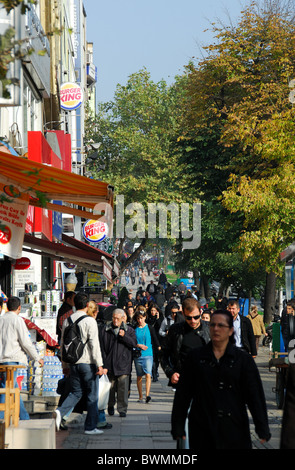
[
  {"x": 71, "y": 96},
  {"x": 95, "y": 231}
]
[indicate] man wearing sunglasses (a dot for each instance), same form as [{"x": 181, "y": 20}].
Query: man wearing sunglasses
[{"x": 181, "y": 338}]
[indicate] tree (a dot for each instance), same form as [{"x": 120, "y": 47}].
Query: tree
[
  {"x": 241, "y": 90},
  {"x": 137, "y": 135}
]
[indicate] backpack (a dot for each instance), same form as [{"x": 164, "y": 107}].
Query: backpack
[{"x": 73, "y": 345}]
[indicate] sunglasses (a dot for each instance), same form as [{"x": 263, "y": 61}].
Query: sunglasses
[{"x": 196, "y": 317}]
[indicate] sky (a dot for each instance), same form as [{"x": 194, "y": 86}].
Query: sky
[{"x": 159, "y": 35}]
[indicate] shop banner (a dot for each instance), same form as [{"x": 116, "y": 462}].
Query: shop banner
[
  {"x": 57, "y": 222},
  {"x": 107, "y": 270},
  {"x": 116, "y": 267},
  {"x": 13, "y": 216}
]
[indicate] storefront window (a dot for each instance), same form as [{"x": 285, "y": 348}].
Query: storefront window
[{"x": 31, "y": 111}]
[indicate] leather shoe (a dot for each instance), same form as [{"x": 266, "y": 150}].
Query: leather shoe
[
  {"x": 111, "y": 410},
  {"x": 122, "y": 414},
  {"x": 105, "y": 426}
]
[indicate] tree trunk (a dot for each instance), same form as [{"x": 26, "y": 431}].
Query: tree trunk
[
  {"x": 270, "y": 297},
  {"x": 133, "y": 256},
  {"x": 204, "y": 286}
]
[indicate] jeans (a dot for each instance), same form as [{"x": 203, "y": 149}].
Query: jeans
[
  {"x": 23, "y": 414},
  {"x": 83, "y": 378},
  {"x": 101, "y": 417}
]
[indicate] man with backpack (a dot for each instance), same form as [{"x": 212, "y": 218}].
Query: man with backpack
[{"x": 82, "y": 360}]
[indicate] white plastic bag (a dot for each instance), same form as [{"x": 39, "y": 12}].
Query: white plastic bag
[{"x": 104, "y": 386}]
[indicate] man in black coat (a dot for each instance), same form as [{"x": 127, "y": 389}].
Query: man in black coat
[
  {"x": 66, "y": 307},
  {"x": 117, "y": 341},
  {"x": 243, "y": 331},
  {"x": 181, "y": 338}
]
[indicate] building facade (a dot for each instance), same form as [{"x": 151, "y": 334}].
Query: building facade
[{"x": 42, "y": 113}]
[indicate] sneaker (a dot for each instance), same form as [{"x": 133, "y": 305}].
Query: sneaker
[
  {"x": 148, "y": 399},
  {"x": 57, "y": 418},
  {"x": 94, "y": 432},
  {"x": 122, "y": 414},
  {"x": 140, "y": 400}
]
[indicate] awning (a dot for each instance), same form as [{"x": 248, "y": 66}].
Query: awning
[
  {"x": 288, "y": 253},
  {"x": 84, "y": 246},
  {"x": 82, "y": 256},
  {"x": 38, "y": 180},
  {"x": 47, "y": 338}
]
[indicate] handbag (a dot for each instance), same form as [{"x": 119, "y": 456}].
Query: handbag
[
  {"x": 104, "y": 386},
  {"x": 136, "y": 353}
]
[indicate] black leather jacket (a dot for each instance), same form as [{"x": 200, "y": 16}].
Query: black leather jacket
[{"x": 171, "y": 359}]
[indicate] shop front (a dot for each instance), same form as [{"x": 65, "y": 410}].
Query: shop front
[{"x": 38, "y": 259}]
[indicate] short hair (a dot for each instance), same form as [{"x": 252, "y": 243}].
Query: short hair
[
  {"x": 13, "y": 303},
  {"x": 291, "y": 303},
  {"x": 206, "y": 311},
  {"x": 233, "y": 302},
  {"x": 190, "y": 303},
  {"x": 81, "y": 300},
  {"x": 119, "y": 311}
]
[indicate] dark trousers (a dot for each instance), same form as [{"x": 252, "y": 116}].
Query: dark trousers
[{"x": 119, "y": 392}]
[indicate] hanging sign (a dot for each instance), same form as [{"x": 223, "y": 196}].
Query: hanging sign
[
  {"x": 22, "y": 264},
  {"x": 13, "y": 217},
  {"x": 95, "y": 231},
  {"x": 71, "y": 96},
  {"x": 116, "y": 267},
  {"x": 107, "y": 270}
]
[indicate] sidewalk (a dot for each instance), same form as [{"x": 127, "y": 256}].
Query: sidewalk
[
  {"x": 146, "y": 426},
  {"x": 268, "y": 378}
]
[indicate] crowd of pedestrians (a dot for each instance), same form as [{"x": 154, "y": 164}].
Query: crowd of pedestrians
[{"x": 207, "y": 355}]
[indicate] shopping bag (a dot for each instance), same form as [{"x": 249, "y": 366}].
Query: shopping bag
[{"x": 104, "y": 386}]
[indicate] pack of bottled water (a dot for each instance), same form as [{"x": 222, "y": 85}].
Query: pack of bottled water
[{"x": 52, "y": 373}]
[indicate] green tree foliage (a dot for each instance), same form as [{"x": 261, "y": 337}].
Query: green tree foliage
[
  {"x": 11, "y": 4},
  {"x": 138, "y": 153},
  {"x": 239, "y": 116},
  {"x": 136, "y": 131}
]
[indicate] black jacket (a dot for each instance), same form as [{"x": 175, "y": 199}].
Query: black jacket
[
  {"x": 287, "y": 431},
  {"x": 247, "y": 336},
  {"x": 171, "y": 357},
  {"x": 219, "y": 393},
  {"x": 117, "y": 350}
]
